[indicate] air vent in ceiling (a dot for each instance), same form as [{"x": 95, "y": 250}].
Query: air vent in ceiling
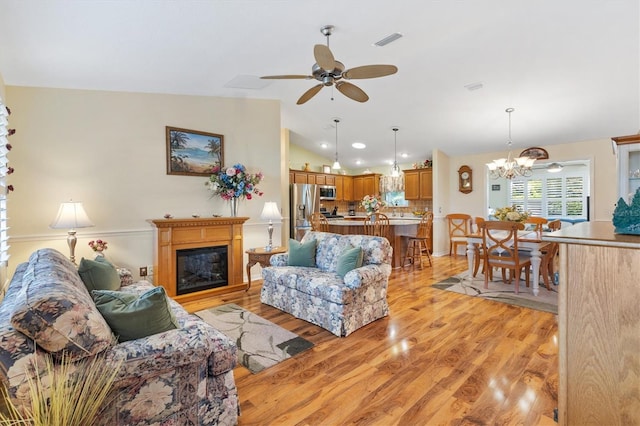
[{"x": 388, "y": 39}]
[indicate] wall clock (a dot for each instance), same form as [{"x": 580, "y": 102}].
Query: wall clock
[{"x": 465, "y": 179}]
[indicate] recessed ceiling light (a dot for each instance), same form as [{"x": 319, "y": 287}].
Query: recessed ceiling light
[
  {"x": 358, "y": 162},
  {"x": 404, "y": 155},
  {"x": 358, "y": 145},
  {"x": 324, "y": 145}
]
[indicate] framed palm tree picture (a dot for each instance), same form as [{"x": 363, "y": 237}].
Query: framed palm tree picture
[{"x": 192, "y": 152}]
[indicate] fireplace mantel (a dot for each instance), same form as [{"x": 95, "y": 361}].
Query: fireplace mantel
[{"x": 187, "y": 233}]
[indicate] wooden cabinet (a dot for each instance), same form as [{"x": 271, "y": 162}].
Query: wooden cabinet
[
  {"x": 418, "y": 184},
  {"x": 343, "y": 184},
  {"x": 298, "y": 176},
  {"x": 366, "y": 185},
  {"x": 628, "y": 152},
  {"x": 347, "y": 188},
  {"x": 599, "y": 325}
]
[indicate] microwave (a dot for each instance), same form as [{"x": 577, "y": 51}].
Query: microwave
[{"x": 327, "y": 192}]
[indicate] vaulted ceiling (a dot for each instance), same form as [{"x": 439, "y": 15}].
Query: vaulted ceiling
[{"x": 571, "y": 68}]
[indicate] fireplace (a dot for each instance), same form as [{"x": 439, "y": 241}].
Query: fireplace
[
  {"x": 201, "y": 269},
  {"x": 198, "y": 257}
]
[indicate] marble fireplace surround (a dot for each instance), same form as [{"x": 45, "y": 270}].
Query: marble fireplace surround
[{"x": 178, "y": 234}]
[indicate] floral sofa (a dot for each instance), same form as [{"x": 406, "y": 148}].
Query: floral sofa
[
  {"x": 183, "y": 376},
  {"x": 321, "y": 296}
]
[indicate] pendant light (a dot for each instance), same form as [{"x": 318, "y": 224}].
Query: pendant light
[
  {"x": 336, "y": 165},
  {"x": 509, "y": 168},
  {"x": 395, "y": 170}
]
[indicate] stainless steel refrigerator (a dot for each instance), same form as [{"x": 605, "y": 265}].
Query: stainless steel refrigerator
[{"x": 304, "y": 201}]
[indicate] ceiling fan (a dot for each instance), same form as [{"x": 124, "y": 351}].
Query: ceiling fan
[{"x": 330, "y": 72}]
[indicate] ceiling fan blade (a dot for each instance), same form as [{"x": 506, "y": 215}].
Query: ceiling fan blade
[
  {"x": 286, "y": 77},
  {"x": 324, "y": 57},
  {"x": 309, "y": 94},
  {"x": 370, "y": 71},
  {"x": 352, "y": 91}
]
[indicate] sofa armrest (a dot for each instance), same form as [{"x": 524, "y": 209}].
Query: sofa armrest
[
  {"x": 366, "y": 274},
  {"x": 194, "y": 343},
  {"x": 280, "y": 259}
]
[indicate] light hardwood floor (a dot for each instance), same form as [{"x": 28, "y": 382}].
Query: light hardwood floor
[{"x": 439, "y": 358}]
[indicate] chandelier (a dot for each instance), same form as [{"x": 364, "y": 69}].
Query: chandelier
[
  {"x": 336, "y": 165},
  {"x": 395, "y": 170},
  {"x": 509, "y": 168}
]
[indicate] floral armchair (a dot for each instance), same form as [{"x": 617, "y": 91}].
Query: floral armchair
[{"x": 320, "y": 295}]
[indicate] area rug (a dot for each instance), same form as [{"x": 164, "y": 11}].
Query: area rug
[
  {"x": 261, "y": 343},
  {"x": 498, "y": 291}
]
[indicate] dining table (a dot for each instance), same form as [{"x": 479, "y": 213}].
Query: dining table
[{"x": 527, "y": 239}]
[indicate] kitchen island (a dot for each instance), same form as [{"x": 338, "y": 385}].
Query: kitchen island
[{"x": 399, "y": 229}]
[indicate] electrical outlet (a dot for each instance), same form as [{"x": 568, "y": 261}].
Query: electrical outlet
[
  {"x": 143, "y": 271},
  {"x": 150, "y": 269}
]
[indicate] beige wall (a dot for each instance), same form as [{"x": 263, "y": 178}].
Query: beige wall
[
  {"x": 2, "y": 88},
  {"x": 603, "y": 189},
  {"x": 108, "y": 150}
]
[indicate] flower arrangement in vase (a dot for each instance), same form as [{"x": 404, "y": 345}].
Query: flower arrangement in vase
[
  {"x": 234, "y": 183},
  {"x": 372, "y": 203},
  {"x": 511, "y": 214},
  {"x": 98, "y": 245}
]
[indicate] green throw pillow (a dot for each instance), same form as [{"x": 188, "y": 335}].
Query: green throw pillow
[
  {"x": 132, "y": 316},
  {"x": 302, "y": 254},
  {"x": 98, "y": 274},
  {"x": 350, "y": 258}
]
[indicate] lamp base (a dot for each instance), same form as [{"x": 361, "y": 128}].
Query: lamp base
[{"x": 71, "y": 241}]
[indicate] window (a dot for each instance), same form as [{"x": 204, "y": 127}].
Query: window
[
  {"x": 558, "y": 195},
  {"x": 395, "y": 198}
]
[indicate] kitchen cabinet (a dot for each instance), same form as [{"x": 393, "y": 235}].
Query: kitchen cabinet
[
  {"x": 418, "y": 184},
  {"x": 366, "y": 185},
  {"x": 298, "y": 176},
  {"x": 347, "y": 188},
  {"x": 628, "y": 152}
]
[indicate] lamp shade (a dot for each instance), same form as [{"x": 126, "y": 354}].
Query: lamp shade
[
  {"x": 270, "y": 211},
  {"x": 71, "y": 215}
]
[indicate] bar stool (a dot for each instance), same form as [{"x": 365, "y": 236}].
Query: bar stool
[{"x": 419, "y": 244}]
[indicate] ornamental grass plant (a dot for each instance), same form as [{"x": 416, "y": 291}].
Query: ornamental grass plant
[{"x": 63, "y": 393}]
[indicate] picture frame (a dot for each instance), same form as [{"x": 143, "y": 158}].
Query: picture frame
[
  {"x": 535, "y": 152},
  {"x": 326, "y": 169},
  {"x": 193, "y": 152}
]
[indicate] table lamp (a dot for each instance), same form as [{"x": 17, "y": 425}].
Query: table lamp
[
  {"x": 270, "y": 212},
  {"x": 71, "y": 215}
]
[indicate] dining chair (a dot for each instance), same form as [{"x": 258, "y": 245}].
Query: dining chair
[
  {"x": 377, "y": 224},
  {"x": 500, "y": 241},
  {"x": 458, "y": 224},
  {"x": 478, "y": 224},
  {"x": 537, "y": 221},
  {"x": 419, "y": 244},
  {"x": 319, "y": 222},
  {"x": 548, "y": 256}
]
